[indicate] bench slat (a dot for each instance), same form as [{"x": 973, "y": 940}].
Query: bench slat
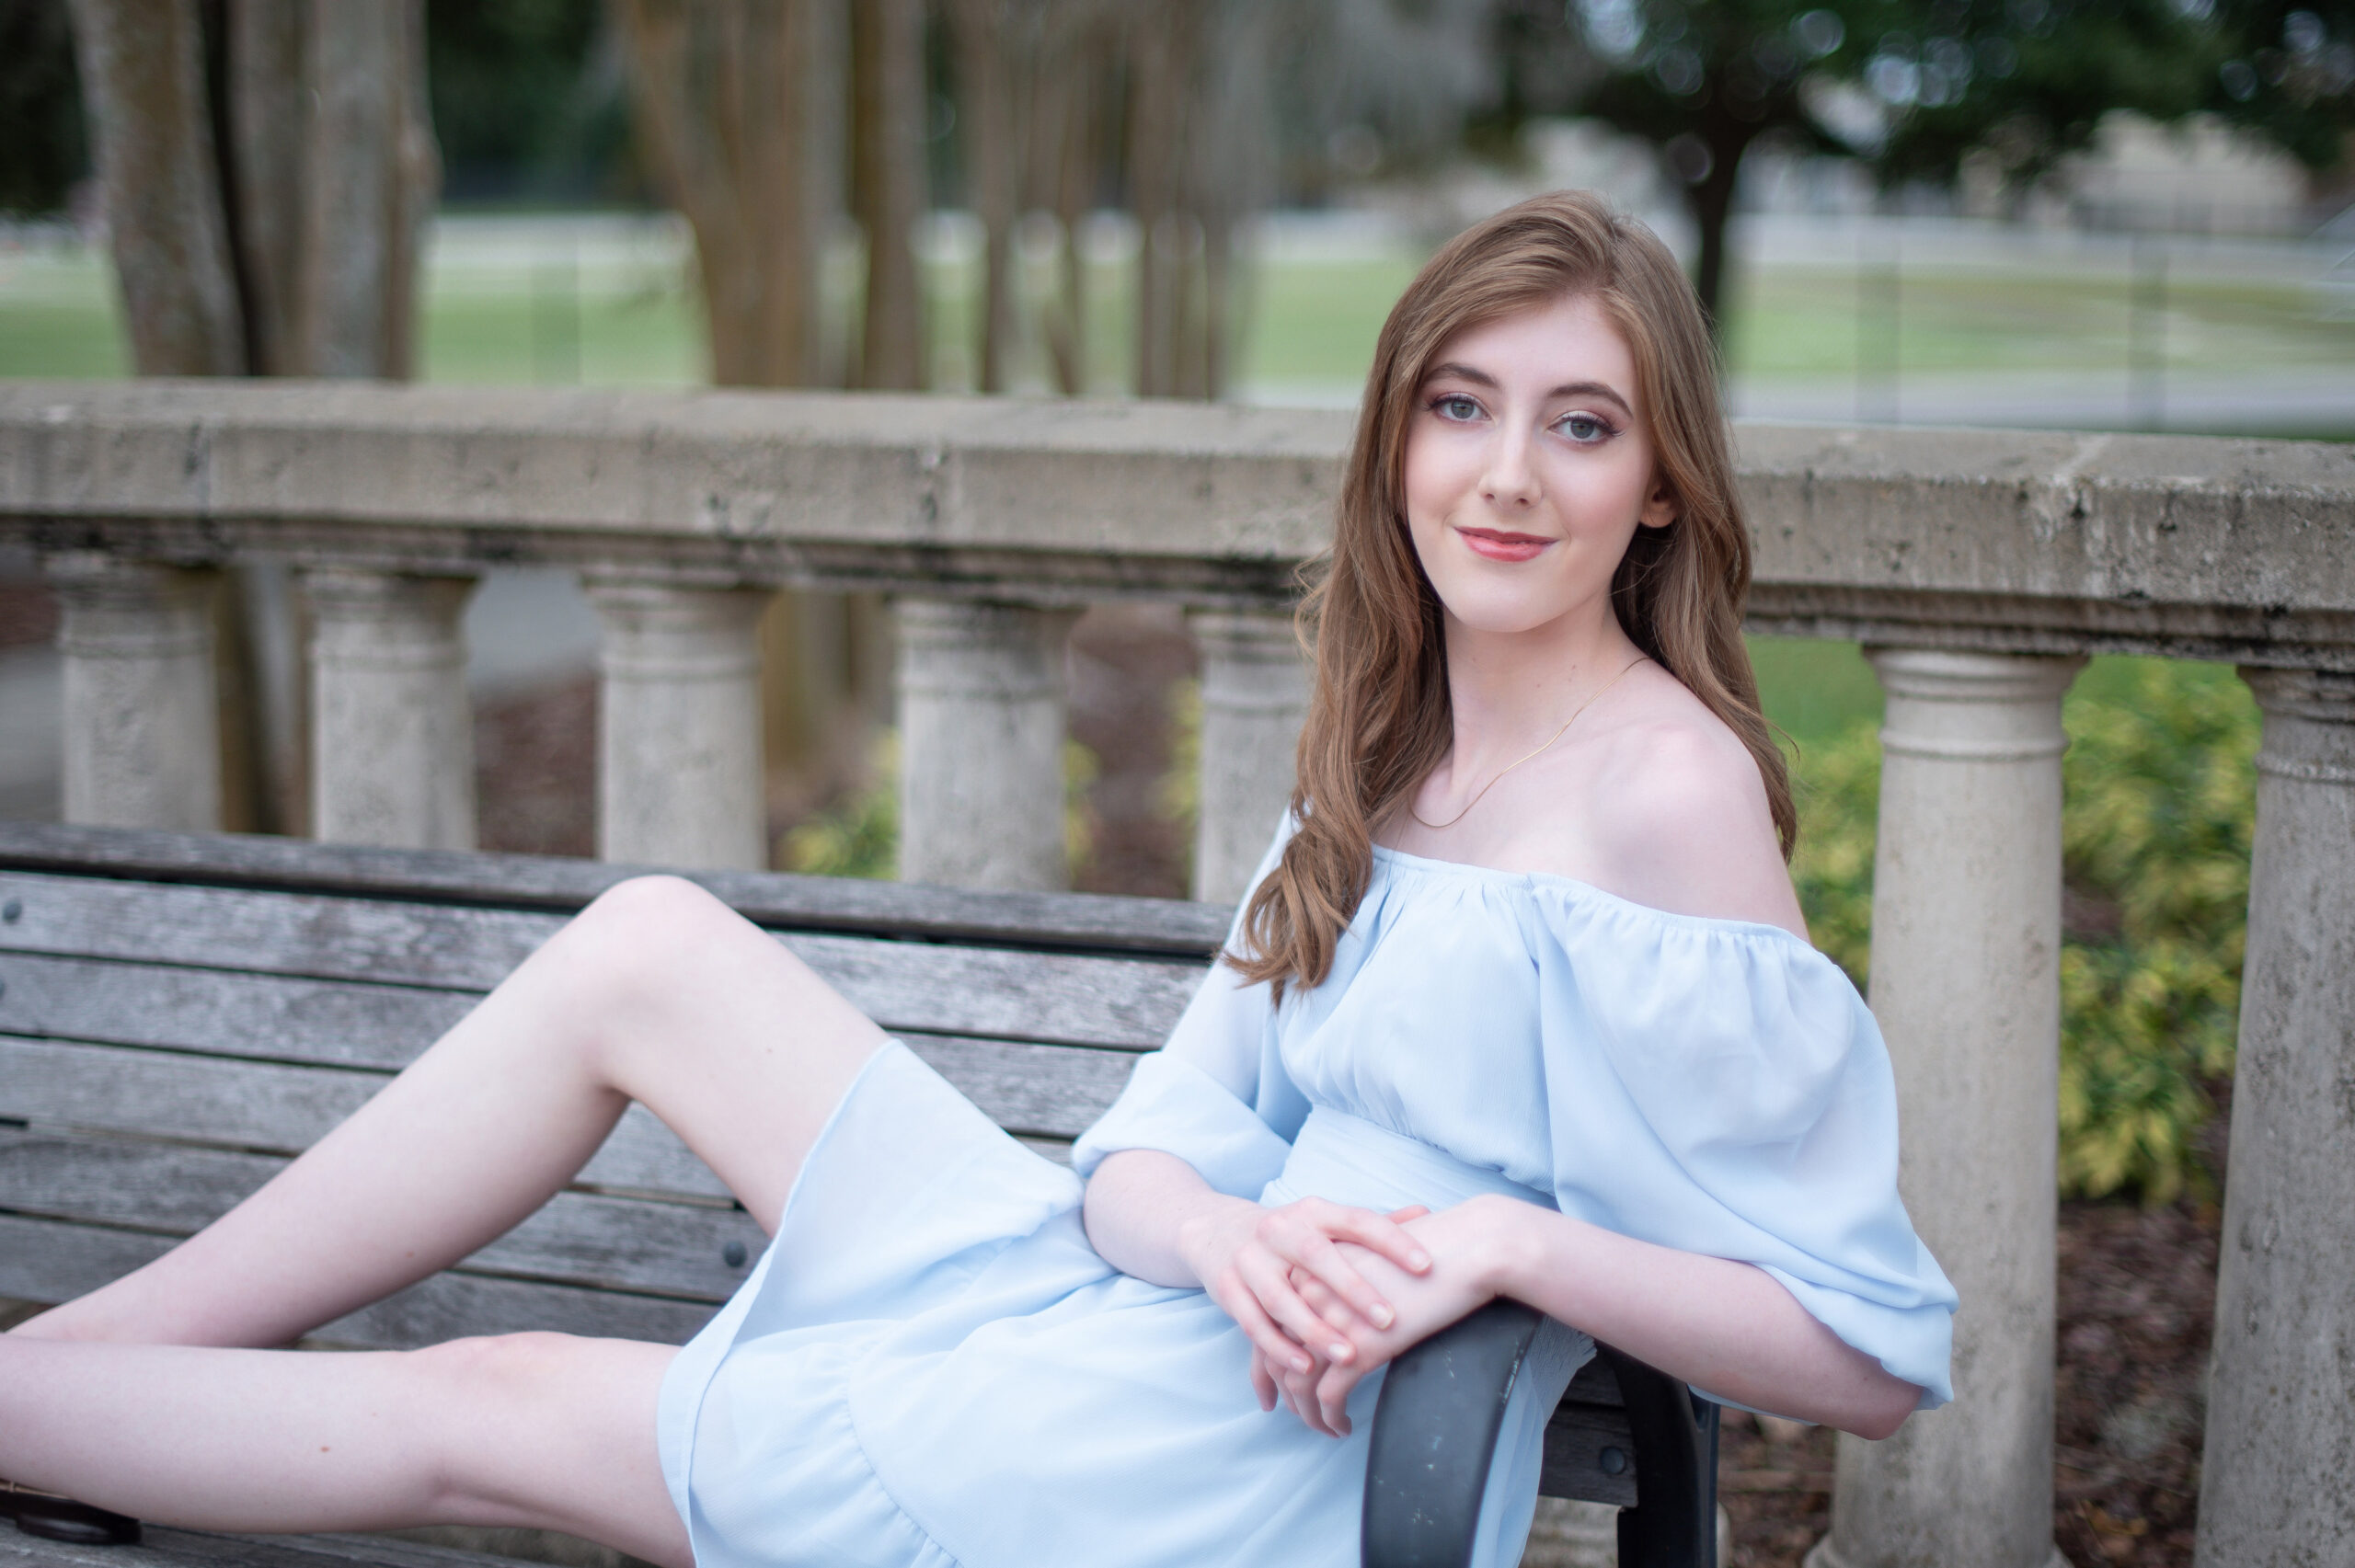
[
  {"x": 165, "y": 1548},
  {"x": 1037, "y": 1091},
  {"x": 576, "y": 1238},
  {"x": 563, "y": 884},
  {"x": 271, "y": 1107},
  {"x": 44, "y": 1259},
  {"x": 937, "y": 987}
]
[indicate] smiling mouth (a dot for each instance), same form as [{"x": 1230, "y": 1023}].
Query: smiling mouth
[{"x": 1499, "y": 545}]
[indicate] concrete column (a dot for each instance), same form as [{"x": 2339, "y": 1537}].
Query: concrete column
[
  {"x": 1254, "y": 695},
  {"x": 1965, "y": 984},
  {"x": 679, "y": 725},
  {"x": 980, "y": 744},
  {"x": 391, "y": 734},
  {"x": 2281, "y": 1444},
  {"x": 142, "y": 720}
]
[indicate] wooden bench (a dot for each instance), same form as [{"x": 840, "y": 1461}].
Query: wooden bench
[{"x": 179, "y": 1015}]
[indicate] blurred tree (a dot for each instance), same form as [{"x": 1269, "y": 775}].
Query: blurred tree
[
  {"x": 2288, "y": 74},
  {"x": 1913, "y": 86},
  {"x": 267, "y": 179},
  {"x": 738, "y": 117},
  {"x": 529, "y": 99},
  {"x": 888, "y": 194},
  {"x": 42, "y": 150}
]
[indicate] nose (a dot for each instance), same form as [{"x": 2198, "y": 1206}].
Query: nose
[{"x": 1509, "y": 482}]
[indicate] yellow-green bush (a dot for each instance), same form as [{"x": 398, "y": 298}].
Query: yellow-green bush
[
  {"x": 859, "y": 835},
  {"x": 2156, "y": 842}
]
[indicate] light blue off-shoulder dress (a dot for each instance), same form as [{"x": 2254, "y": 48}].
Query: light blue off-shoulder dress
[{"x": 931, "y": 1367}]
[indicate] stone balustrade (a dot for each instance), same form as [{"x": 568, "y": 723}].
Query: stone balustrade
[{"x": 1979, "y": 567}]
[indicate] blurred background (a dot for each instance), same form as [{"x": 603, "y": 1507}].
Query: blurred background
[{"x": 2097, "y": 214}]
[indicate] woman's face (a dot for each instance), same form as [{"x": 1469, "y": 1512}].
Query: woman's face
[{"x": 1527, "y": 469}]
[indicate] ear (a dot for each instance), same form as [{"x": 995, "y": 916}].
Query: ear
[{"x": 1660, "y": 506}]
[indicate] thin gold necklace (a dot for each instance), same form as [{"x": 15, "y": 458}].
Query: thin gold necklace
[{"x": 1508, "y": 767}]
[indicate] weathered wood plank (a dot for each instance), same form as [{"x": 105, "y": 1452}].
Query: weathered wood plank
[
  {"x": 166, "y": 1548},
  {"x": 271, "y": 1107},
  {"x": 936, "y": 987},
  {"x": 564, "y": 885},
  {"x": 349, "y": 1023},
  {"x": 1575, "y": 1440},
  {"x": 576, "y": 1238},
  {"x": 45, "y": 1260}
]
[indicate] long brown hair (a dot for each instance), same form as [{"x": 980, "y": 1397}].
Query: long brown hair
[{"x": 1379, "y": 721}]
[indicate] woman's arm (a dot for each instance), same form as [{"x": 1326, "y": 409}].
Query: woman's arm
[
  {"x": 1725, "y": 1326},
  {"x": 1151, "y": 1215}
]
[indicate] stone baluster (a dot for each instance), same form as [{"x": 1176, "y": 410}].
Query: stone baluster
[
  {"x": 141, "y": 711},
  {"x": 2281, "y": 1440},
  {"x": 391, "y": 734},
  {"x": 678, "y": 724},
  {"x": 1965, "y": 984},
  {"x": 980, "y": 744},
  {"x": 1254, "y": 695}
]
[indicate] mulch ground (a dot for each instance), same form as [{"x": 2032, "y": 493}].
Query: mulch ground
[{"x": 2137, "y": 1289}]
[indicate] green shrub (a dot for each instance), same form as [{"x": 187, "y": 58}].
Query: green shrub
[
  {"x": 2156, "y": 838},
  {"x": 859, "y": 836}
]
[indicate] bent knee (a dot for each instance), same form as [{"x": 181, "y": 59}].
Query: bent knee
[{"x": 648, "y": 934}]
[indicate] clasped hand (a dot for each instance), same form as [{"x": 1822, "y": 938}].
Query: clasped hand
[{"x": 1328, "y": 1293}]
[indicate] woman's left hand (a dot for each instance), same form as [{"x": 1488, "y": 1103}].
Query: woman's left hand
[{"x": 1468, "y": 1244}]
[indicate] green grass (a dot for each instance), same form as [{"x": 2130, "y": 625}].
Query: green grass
[
  {"x": 1804, "y": 322},
  {"x": 1305, "y": 326}
]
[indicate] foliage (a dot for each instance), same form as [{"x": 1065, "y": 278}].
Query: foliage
[
  {"x": 859, "y": 836},
  {"x": 43, "y": 148},
  {"x": 2289, "y": 76},
  {"x": 527, "y": 99},
  {"x": 2159, "y": 823},
  {"x": 2156, "y": 838}
]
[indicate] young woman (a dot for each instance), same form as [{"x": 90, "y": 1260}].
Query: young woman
[{"x": 1522, "y": 1005}]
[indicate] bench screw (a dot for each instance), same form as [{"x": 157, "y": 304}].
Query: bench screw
[
  {"x": 10, "y": 910},
  {"x": 1614, "y": 1461},
  {"x": 732, "y": 1254}
]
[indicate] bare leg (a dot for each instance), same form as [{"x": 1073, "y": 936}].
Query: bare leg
[
  {"x": 539, "y": 1430},
  {"x": 658, "y": 992}
]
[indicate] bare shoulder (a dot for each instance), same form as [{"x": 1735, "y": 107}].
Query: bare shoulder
[{"x": 1678, "y": 815}]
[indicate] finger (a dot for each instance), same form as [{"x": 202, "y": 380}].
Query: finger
[
  {"x": 1333, "y": 1398},
  {"x": 1325, "y": 1260},
  {"x": 1242, "y": 1304},
  {"x": 1327, "y": 1306},
  {"x": 1383, "y": 1235},
  {"x": 1304, "y": 1403},
  {"x": 1263, "y": 1382},
  {"x": 1412, "y": 1211},
  {"x": 1269, "y": 1280}
]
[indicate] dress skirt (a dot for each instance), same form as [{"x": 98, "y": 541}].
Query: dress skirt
[{"x": 931, "y": 1367}]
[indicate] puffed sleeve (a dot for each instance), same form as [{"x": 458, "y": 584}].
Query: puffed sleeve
[
  {"x": 1720, "y": 1088},
  {"x": 1215, "y": 1094}
]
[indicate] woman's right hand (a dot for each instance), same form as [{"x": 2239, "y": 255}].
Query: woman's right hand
[{"x": 1245, "y": 1255}]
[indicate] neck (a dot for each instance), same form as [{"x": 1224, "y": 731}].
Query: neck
[{"x": 1512, "y": 691}]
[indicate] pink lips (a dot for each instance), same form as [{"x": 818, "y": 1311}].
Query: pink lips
[{"x": 1500, "y": 547}]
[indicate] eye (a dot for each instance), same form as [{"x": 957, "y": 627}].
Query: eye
[
  {"x": 1584, "y": 428},
  {"x": 1457, "y": 406}
]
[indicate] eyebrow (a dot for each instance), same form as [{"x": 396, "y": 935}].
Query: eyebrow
[{"x": 1568, "y": 389}]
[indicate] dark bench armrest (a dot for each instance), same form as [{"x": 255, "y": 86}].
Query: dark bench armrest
[{"x": 1435, "y": 1431}]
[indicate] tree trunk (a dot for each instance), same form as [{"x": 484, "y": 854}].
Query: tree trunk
[
  {"x": 887, "y": 185},
  {"x": 727, "y": 96},
  {"x": 371, "y": 178},
  {"x": 142, "y": 67},
  {"x": 990, "y": 53},
  {"x": 1710, "y": 201}
]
